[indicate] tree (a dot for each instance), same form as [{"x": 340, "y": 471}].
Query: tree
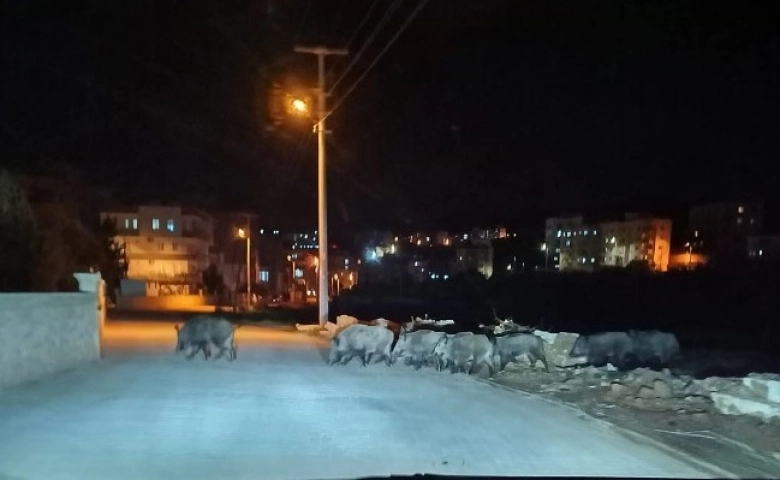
[
  {"x": 213, "y": 281},
  {"x": 112, "y": 258},
  {"x": 17, "y": 237}
]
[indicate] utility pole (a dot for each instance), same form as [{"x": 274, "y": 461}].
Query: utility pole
[
  {"x": 248, "y": 263},
  {"x": 322, "y": 228}
]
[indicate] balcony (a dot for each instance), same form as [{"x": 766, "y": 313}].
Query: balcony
[{"x": 174, "y": 279}]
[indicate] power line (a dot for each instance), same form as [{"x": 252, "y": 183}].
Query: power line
[
  {"x": 363, "y": 22},
  {"x": 379, "y": 56},
  {"x": 357, "y": 30},
  {"x": 367, "y": 44}
]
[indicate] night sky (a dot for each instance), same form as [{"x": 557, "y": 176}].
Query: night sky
[{"x": 482, "y": 111}]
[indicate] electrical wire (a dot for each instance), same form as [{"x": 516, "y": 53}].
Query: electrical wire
[
  {"x": 354, "y": 34},
  {"x": 378, "y": 57},
  {"x": 388, "y": 14}
]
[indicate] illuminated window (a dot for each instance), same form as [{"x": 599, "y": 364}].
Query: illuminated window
[
  {"x": 263, "y": 276},
  {"x": 170, "y": 225},
  {"x": 135, "y": 224},
  {"x": 298, "y": 273},
  {"x": 155, "y": 224},
  {"x": 740, "y": 209}
]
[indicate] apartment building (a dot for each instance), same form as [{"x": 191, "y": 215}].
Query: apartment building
[
  {"x": 168, "y": 247},
  {"x": 637, "y": 238},
  {"x": 573, "y": 243}
]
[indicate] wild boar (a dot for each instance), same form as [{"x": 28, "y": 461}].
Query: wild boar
[
  {"x": 508, "y": 347},
  {"x": 202, "y": 331},
  {"x": 653, "y": 348},
  {"x": 464, "y": 352},
  {"x": 364, "y": 340},
  {"x": 417, "y": 346},
  {"x": 599, "y": 349}
]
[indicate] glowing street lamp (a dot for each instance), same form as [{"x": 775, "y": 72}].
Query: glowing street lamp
[{"x": 298, "y": 105}]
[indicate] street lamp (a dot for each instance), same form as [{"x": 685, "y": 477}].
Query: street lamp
[
  {"x": 244, "y": 234},
  {"x": 299, "y": 106}
]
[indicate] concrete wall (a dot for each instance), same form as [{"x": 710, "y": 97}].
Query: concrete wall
[
  {"x": 167, "y": 302},
  {"x": 44, "y": 333}
]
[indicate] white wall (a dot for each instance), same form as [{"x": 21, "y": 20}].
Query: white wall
[{"x": 44, "y": 333}]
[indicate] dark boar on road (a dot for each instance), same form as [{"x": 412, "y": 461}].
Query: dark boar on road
[
  {"x": 203, "y": 331},
  {"x": 363, "y": 340},
  {"x": 599, "y": 349},
  {"x": 417, "y": 346},
  {"x": 653, "y": 348},
  {"x": 509, "y": 347}
]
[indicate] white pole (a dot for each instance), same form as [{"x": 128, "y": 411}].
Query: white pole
[
  {"x": 322, "y": 228},
  {"x": 248, "y": 270}
]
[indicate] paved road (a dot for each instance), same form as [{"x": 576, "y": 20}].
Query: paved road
[{"x": 279, "y": 411}]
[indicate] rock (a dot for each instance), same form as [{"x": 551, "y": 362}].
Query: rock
[
  {"x": 741, "y": 405},
  {"x": 666, "y": 372},
  {"x": 619, "y": 389},
  {"x": 646, "y": 392},
  {"x": 549, "y": 338},
  {"x": 343, "y": 321},
  {"x": 766, "y": 386},
  {"x": 662, "y": 389},
  {"x": 557, "y": 353},
  {"x": 611, "y": 368}
]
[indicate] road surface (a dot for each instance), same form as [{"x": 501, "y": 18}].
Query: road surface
[{"x": 279, "y": 412}]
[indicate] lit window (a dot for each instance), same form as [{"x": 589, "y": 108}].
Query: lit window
[
  {"x": 263, "y": 276},
  {"x": 559, "y": 234},
  {"x": 135, "y": 224},
  {"x": 594, "y": 232},
  {"x": 262, "y": 231},
  {"x": 127, "y": 223},
  {"x": 760, "y": 253},
  {"x": 586, "y": 232},
  {"x": 170, "y": 225},
  {"x": 740, "y": 209},
  {"x": 298, "y": 273},
  {"x": 739, "y": 220},
  {"x": 592, "y": 260},
  {"x": 346, "y": 261}
]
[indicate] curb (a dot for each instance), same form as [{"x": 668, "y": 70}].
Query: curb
[{"x": 713, "y": 470}]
